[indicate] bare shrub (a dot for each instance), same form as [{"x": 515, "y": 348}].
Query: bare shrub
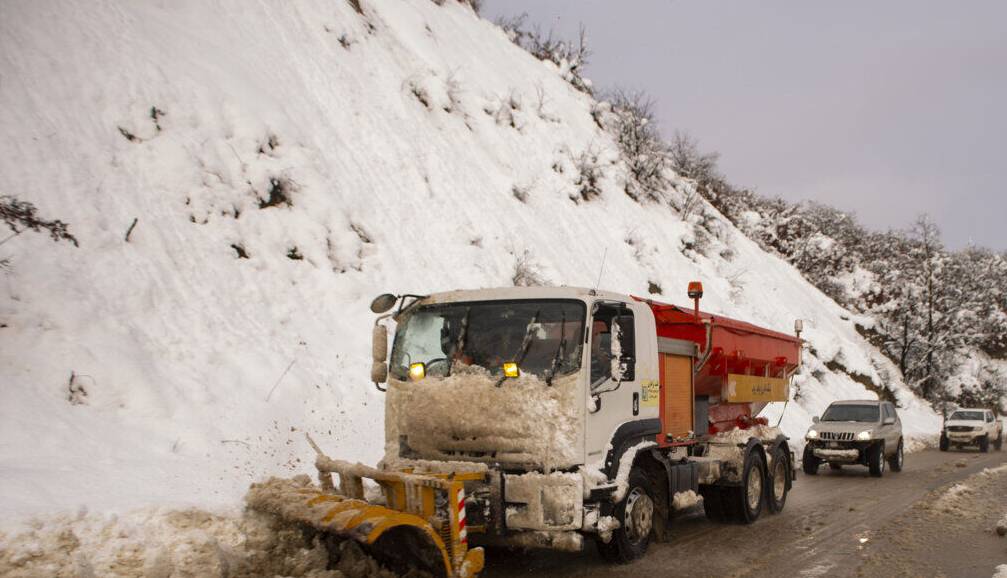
[
  {"x": 20, "y": 216},
  {"x": 589, "y": 174},
  {"x": 687, "y": 160},
  {"x": 526, "y": 271},
  {"x": 645, "y": 153},
  {"x": 570, "y": 56}
]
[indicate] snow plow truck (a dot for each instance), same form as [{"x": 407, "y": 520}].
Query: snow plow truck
[{"x": 549, "y": 417}]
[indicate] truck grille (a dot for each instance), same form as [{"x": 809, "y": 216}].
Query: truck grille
[
  {"x": 960, "y": 428},
  {"x": 836, "y": 436}
]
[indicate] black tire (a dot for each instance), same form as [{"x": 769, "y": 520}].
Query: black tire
[
  {"x": 748, "y": 499},
  {"x": 876, "y": 459},
  {"x": 999, "y": 444},
  {"x": 779, "y": 480},
  {"x": 835, "y": 467},
  {"x": 898, "y": 460},
  {"x": 945, "y": 444},
  {"x": 984, "y": 444},
  {"x": 635, "y": 514},
  {"x": 810, "y": 463}
]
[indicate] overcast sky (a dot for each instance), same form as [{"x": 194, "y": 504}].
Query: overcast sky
[{"x": 887, "y": 109}]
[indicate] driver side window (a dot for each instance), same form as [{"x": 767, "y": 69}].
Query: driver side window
[{"x": 612, "y": 332}]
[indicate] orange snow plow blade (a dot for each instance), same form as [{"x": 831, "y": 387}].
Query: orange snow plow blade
[{"x": 421, "y": 525}]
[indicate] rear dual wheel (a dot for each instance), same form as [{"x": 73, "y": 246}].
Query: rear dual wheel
[
  {"x": 779, "y": 480},
  {"x": 744, "y": 503}
]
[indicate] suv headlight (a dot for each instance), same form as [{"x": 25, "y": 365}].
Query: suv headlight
[
  {"x": 864, "y": 436},
  {"x": 812, "y": 435}
]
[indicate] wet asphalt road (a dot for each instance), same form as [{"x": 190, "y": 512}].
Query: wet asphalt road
[{"x": 843, "y": 523}]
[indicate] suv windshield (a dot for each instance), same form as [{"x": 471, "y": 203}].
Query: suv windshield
[
  {"x": 544, "y": 336},
  {"x": 968, "y": 415},
  {"x": 866, "y": 413}
]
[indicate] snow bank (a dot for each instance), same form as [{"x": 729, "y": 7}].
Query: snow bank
[{"x": 162, "y": 543}]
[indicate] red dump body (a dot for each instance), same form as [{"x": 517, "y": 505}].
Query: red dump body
[{"x": 738, "y": 349}]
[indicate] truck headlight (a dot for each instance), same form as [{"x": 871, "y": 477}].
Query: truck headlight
[
  {"x": 812, "y": 435},
  {"x": 864, "y": 436}
]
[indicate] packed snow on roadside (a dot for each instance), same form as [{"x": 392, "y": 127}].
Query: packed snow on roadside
[{"x": 284, "y": 164}]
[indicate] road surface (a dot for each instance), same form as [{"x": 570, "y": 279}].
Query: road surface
[{"x": 835, "y": 524}]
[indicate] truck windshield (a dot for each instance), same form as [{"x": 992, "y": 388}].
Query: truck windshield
[
  {"x": 850, "y": 412},
  {"x": 544, "y": 337},
  {"x": 968, "y": 415}
]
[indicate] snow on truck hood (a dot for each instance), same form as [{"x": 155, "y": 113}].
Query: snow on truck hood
[{"x": 466, "y": 417}]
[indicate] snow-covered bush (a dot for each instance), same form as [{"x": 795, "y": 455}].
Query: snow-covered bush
[
  {"x": 570, "y": 57},
  {"x": 646, "y": 155}
]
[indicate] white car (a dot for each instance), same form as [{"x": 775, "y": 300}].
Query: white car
[{"x": 966, "y": 427}]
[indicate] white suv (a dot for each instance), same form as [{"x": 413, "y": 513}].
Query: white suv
[{"x": 968, "y": 427}]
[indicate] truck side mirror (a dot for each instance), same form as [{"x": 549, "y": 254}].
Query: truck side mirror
[
  {"x": 815, "y": 419},
  {"x": 623, "y": 348},
  {"x": 379, "y": 354}
]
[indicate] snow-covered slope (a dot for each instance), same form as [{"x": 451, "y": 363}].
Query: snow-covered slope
[{"x": 410, "y": 148}]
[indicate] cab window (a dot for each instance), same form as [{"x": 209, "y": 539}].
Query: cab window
[{"x": 612, "y": 331}]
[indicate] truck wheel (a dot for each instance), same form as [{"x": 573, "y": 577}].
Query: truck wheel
[
  {"x": 810, "y": 462},
  {"x": 876, "y": 459},
  {"x": 999, "y": 444},
  {"x": 751, "y": 494},
  {"x": 635, "y": 514},
  {"x": 779, "y": 480},
  {"x": 944, "y": 442},
  {"x": 984, "y": 444},
  {"x": 898, "y": 459}
]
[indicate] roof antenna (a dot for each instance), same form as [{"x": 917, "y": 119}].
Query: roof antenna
[{"x": 602, "y": 271}]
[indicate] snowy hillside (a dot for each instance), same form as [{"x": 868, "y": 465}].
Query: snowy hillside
[{"x": 285, "y": 162}]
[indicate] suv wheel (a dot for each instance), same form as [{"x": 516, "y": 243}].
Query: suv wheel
[
  {"x": 898, "y": 459},
  {"x": 635, "y": 514},
  {"x": 810, "y": 462},
  {"x": 984, "y": 443},
  {"x": 876, "y": 459},
  {"x": 944, "y": 442}
]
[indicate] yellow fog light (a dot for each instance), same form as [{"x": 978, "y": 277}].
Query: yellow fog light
[
  {"x": 510, "y": 369},
  {"x": 417, "y": 371}
]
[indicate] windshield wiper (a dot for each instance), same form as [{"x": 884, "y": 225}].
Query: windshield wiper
[
  {"x": 560, "y": 351},
  {"x": 525, "y": 344}
]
